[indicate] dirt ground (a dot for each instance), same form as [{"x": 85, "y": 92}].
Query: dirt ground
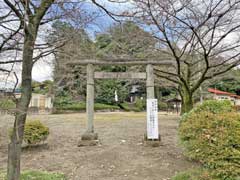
[{"x": 120, "y": 156}]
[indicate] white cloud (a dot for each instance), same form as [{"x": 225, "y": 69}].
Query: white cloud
[{"x": 43, "y": 69}]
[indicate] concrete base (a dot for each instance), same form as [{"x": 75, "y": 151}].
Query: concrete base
[
  {"x": 88, "y": 139},
  {"x": 152, "y": 142}
]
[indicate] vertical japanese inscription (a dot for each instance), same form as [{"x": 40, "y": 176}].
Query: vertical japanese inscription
[{"x": 152, "y": 119}]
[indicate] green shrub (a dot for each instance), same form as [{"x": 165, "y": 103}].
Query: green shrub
[
  {"x": 34, "y": 132},
  {"x": 210, "y": 134},
  {"x": 99, "y": 106},
  {"x": 195, "y": 174},
  {"x": 62, "y": 99},
  {"x": 73, "y": 107},
  {"x": 140, "y": 104},
  {"x": 136, "y": 107},
  {"x": 37, "y": 175},
  {"x": 162, "y": 105},
  {"x": 215, "y": 106},
  {"x": 81, "y": 106}
]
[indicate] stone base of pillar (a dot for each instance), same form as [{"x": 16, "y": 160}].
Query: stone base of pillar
[
  {"x": 89, "y": 136},
  {"x": 88, "y": 143},
  {"x": 88, "y": 139},
  {"x": 152, "y": 142}
]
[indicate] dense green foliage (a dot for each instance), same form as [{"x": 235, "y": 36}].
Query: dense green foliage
[
  {"x": 34, "y": 132},
  {"x": 105, "y": 91},
  {"x": 37, "y": 175},
  {"x": 79, "y": 46},
  {"x": 62, "y": 99},
  {"x": 230, "y": 82},
  {"x": 127, "y": 39},
  {"x": 210, "y": 134}
]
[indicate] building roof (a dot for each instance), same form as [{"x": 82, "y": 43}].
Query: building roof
[{"x": 218, "y": 92}]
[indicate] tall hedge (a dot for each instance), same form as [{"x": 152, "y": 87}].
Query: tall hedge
[{"x": 210, "y": 134}]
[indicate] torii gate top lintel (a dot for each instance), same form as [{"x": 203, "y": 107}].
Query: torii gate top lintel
[{"x": 130, "y": 62}]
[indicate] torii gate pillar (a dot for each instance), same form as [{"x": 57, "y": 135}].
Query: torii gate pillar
[
  {"x": 150, "y": 82},
  {"x": 90, "y": 98},
  {"x": 89, "y": 135}
]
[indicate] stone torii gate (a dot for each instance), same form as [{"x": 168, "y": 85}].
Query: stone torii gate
[{"x": 90, "y": 136}]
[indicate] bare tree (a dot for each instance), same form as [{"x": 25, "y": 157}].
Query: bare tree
[
  {"x": 201, "y": 37},
  {"x": 20, "y": 24},
  {"x": 30, "y": 16}
]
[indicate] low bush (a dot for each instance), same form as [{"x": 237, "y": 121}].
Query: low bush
[
  {"x": 34, "y": 132},
  {"x": 140, "y": 104},
  {"x": 73, "y": 107},
  {"x": 132, "y": 107},
  {"x": 37, "y": 175},
  {"x": 162, "y": 105},
  {"x": 210, "y": 134},
  {"x": 62, "y": 100},
  {"x": 99, "y": 106},
  {"x": 81, "y": 106}
]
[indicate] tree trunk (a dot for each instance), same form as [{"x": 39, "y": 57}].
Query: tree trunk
[
  {"x": 14, "y": 148},
  {"x": 14, "y": 153},
  {"x": 187, "y": 101}
]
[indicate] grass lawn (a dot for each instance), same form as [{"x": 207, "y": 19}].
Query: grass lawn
[{"x": 37, "y": 175}]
